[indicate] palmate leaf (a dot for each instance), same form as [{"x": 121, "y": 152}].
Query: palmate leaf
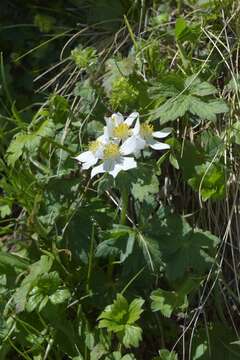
[
  {"x": 209, "y": 180},
  {"x": 183, "y": 248},
  {"x": 166, "y": 355},
  {"x": 191, "y": 254},
  {"x": 206, "y": 110},
  {"x": 28, "y": 141},
  {"x": 35, "y": 270},
  {"x": 172, "y": 109},
  {"x": 116, "y": 355},
  {"x": 167, "y": 301},
  {"x": 205, "y": 177},
  {"x": 143, "y": 190},
  {"x": 120, "y": 317},
  {"x": 200, "y": 88},
  {"x": 47, "y": 288},
  {"x": 119, "y": 242},
  {"x": 132, "y": 336},
  {"x": 191, "y": 95},
  {"x": 150, "y": 251},
  {"x": 176, "y": 300},
  {"x": 78, "y": 234}
]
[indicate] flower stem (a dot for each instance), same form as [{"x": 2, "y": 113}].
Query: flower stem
[
  {"x": 179, "y": 6},
  {"x": 124, "y": 207},
  {"x": 122, "y": 222}
]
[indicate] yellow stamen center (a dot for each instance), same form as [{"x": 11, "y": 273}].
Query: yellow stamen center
[
  {"x": 94, "y": 146},
  {"x": 121, "y": 131},
  {"x": 146, "y": 130},
  {"x": 111, "y": 151}
]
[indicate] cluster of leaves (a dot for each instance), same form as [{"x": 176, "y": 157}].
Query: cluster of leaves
[{"x": 76, "y": 282}]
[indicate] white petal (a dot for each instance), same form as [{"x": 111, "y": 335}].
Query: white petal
[
  {"x": 129, "y": 146},
  {"x": 86, "y": 156},
  {"x": 97, "y": 170},
  {"x": 103, "y": 139},
  {"x": 108, "y": 165},
  {"x": 132, "y": 145},
  {"x": 124, "y": 163},
  {"x": 118, "y": 118},
  {"x": 87, "y": 165},
  {"x": 99, "y": 153},
  {"x": 159, "y": 146},
  {"x": 130, "y": 119},
  {"x": 116, "y": 170},
  {"x": 128, "y": 163},
  {"x": 160, "y": 134},
  {"x": 136, "y": 129},
  {"x": 108, "y": 130}
]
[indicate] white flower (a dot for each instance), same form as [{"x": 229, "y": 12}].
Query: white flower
[
  {"x": 117, "y": 128},
  {"x": 143, "y": 136},
  {"x": 95, "y": 152},
  {"x": 114, "y": 160}
]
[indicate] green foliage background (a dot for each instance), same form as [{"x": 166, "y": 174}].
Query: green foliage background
[{"x": 77, "y": 282}]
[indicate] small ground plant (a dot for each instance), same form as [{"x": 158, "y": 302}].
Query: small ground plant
[{"x": 119, "y": 189}]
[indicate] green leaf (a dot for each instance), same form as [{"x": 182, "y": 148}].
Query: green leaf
[
  {"x": 135, "y": 310},
  {"x": 128, "y": 357},
  {"x": 168, "y": 302},
  {"x": 5, "y": 210},
  {"x": 120, "y": 242},
  {"x": 198, "y": 87},
  {"x": 98, "y": 351},
  {"x": 46, "y": 288},
  {"x": 183, "y": 248},
  {"x": 116, "y": 355},
  {"x": 29, "y": 142},
  {"x": 180, "y": 26},
  {"x": 166, "y": 355},
  {"x": 114, "y": 317},
  {"x": 15, "y": 149},
  {"x": 143, "y": 191},
  {"x": 172, "y": 109},
  {"x": 191, "y": 254},
  {"x": 120, "y": 317},
  {"x": 186, "y": 95},
  {"x": 43, "y": 303},
  {"x": 186, "y": 32},
  {"x": 60, "y": 296},
  {"x": 10, "y": 262},
  {"x": 207, "y": 110},
  {"x": 173, "y": 161},
  {"x": 132, "y": 336},
  {"x": 38, "y": 268},
  {"x": 34, "y": 300},
  {"x": 209, "y": 180},
  {"x": 58, "y": 109},
  {"x": 105, "y": 183}
]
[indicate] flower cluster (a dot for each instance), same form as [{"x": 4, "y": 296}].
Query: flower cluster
[{"x": 120, "y": 139}]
